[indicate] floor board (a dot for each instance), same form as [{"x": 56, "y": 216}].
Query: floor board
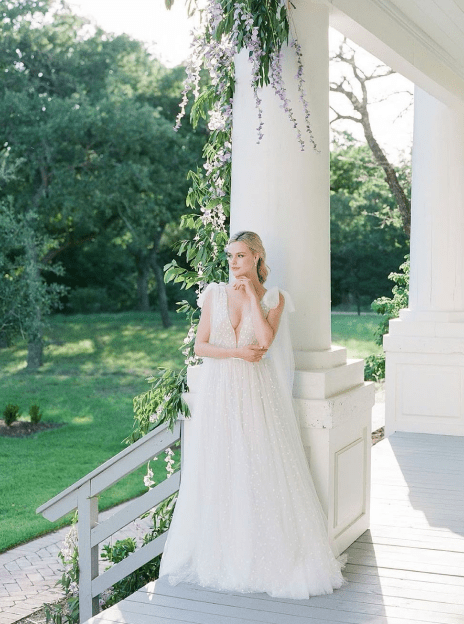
[{"x": 407, "y": 569}]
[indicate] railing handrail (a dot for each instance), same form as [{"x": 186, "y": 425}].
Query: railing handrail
[
  {"x": 82, "y": 496},
  {"x": 66, "y": 501}
]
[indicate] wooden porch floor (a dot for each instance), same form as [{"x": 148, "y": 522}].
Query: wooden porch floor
[{"x": 408, "y": 568}]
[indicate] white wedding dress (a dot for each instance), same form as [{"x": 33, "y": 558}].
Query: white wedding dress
[{"x": 247, "y": 518}]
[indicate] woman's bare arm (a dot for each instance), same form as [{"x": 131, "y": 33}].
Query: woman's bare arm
[{"x": 266, "y": 327}]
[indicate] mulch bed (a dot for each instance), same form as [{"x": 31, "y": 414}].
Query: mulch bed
[{"x": 23, "y": 429}]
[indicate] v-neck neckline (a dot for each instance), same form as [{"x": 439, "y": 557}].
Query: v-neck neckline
[{"x": 240, "y": 325}]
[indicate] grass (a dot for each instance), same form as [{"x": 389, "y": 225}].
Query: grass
[
  {"x": 94, "y": 366},
  {"x": 356, "y": 333}
]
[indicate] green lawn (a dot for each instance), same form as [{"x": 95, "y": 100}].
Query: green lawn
[
  {"x": 356, "y": 333},
  {"x": 94, "y": 365}
]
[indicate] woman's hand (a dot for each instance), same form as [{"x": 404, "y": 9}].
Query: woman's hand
[
  {"x": 251, "y": 353},
  {"x": 245, "y": 285}
]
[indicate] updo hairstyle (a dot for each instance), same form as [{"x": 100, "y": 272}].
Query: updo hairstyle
[{"x": 255, "y": 244}]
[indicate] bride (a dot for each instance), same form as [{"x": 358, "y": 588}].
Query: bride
[{"x": 247, "y": 518}]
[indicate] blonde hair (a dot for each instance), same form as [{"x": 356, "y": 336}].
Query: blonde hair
[{"x": 255, "y": 244}]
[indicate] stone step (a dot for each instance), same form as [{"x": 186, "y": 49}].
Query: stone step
[{"x": 324, "y": 383}]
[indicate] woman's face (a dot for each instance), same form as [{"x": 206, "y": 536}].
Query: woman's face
[{"x": 241, "y": 259}]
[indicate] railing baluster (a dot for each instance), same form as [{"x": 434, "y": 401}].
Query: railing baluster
[
  {"x": 83, "y": 495},
  {"x": 88, "y": 555}
]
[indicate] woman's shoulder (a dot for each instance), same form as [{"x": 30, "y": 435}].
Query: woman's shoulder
[
  {"x": 271, "y": 298},
  {"x": 210, "y": 288},
  {"x": 274, "y": 296}
]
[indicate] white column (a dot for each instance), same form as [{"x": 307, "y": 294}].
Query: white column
[
  {"x": 425, "y": 347},
  {"x": 437, "y": 239},
  {"x": 283, "y": 194}
]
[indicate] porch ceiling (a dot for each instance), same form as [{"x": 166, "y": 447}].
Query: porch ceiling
[{"x": 422, "y": 39}]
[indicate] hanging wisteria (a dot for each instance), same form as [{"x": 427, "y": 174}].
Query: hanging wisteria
[
  {"x": 226, "y": 28},
  {"x": 261, "y": 27}
]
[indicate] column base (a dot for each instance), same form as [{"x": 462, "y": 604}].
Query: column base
[
  {"x": 334, "y": 405},
  {"x": 424, "y": 376},
  {"x": 339, "y": 457}
]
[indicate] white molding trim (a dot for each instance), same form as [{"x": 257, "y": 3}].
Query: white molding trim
[
  {"x": 413, "y": 29},
  {"x": 401, "y": 44}
]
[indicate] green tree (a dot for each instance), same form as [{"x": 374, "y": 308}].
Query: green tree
[
  {"x": 25, "y": 296},
  {"x": 84, "y": 114},
  {"x": 367, "y": 237}
]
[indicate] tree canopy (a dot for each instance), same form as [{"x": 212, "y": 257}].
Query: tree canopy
[
  {"x": 368, "y": 241},
  {"x": 88, "y": 128}
]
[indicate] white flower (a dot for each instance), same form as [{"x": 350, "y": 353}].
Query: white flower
[
  {"x": 70, "y": 543},
  {"x": 169, "y": 459},
  {"x": 148, "y": 478}
]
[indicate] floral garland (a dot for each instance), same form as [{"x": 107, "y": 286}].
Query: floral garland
[{"x": 262, "y": 27}]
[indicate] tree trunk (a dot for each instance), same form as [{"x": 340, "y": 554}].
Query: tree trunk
[
  {"x": 34, "y": 288},
  {"x": 346, "y": 54},
  {"x": 35, "y": 353},
  {"x": 157, "y": 270},
  {"x": 402, "y": 201},
  {"x": 143, "y": 274}
]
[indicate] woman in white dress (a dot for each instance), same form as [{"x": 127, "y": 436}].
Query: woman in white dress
[{"x": 247, "y": 518}]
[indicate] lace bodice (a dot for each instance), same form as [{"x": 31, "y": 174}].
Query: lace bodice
[{"x": 222, "y": 333}]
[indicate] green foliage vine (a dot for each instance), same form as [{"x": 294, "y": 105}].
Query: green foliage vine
[{"x": 226, "y": 28}]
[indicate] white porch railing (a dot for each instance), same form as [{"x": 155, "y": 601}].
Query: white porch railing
[{"x": 83, "y": 496}]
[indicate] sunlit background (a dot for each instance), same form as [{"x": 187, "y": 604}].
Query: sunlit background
[{"x": 167, "y": 35}]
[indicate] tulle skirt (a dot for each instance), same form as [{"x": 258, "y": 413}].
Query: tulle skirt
[{"x": 247, "y": 518}]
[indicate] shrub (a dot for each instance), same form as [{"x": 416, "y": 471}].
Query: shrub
[
  {"x": 161, "y": 517},
  {"x": 389, "y": 307},
  {"x": 374, "y": 367},
  {"x": 89, "y": 300},
  {"x": 10, "y": 414},
  {"x": 35, "y": 414},
  {"x": 137, "y": 579}
]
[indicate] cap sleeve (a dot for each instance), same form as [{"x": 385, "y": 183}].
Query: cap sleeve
[
  {"x": 271, "y": 298},
  {"x": 202, "y": 296},
  {"x": 289, "y": 307}
]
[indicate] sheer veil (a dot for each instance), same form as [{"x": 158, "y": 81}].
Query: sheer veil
[{"x": 281, "y": 350}]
